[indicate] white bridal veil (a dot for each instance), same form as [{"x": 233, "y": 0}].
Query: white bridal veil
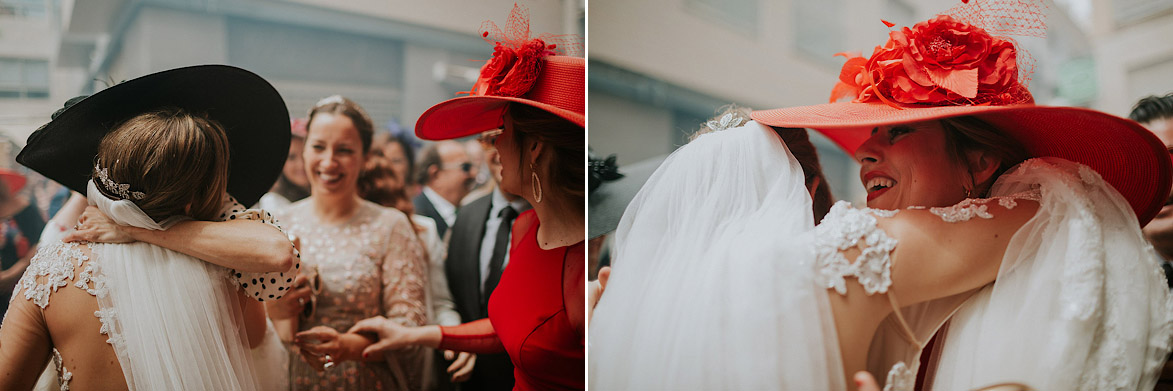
[
  {"x": 710, "y": 287},
  {"x": 1080, "y": 302},
  {"x": 172, "y": 319}
]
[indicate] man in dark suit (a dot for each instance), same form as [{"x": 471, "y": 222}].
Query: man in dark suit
[
  {"x": 446, "y": 176},
  {"x": 477, "y": 254}
]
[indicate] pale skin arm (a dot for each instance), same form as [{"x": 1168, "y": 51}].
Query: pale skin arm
[{"x": 244, "y": 245}]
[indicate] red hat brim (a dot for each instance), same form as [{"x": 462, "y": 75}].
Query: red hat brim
[
  {"x": 560, "y": 90},
  {"x": 1126, "y": 155},
  {"x": 15, "y": 181}
]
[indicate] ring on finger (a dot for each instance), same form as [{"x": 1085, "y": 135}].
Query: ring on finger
[{"x": 329, "y": 362}]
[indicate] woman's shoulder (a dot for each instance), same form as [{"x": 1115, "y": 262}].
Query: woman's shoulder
[
  {"x": 384, "y": 216},
  {"x": 55, "y": 265}
]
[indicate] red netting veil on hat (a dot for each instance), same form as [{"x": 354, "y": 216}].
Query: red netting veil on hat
[{"x": 546, "y": 71}]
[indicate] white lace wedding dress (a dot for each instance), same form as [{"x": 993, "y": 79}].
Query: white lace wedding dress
[
  {"x": 720, "y": 281},
  {"x": 172, "y": 320}
]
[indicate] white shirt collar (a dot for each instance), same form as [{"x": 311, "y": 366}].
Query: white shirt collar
[
  {"x": 443, "y": 207},
  {"x": 499, "y": 202}
]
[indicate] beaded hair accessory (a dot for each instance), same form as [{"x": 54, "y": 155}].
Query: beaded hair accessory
[
  {"x": 337, "y": 99},
  {"x": 120, "y": 189}
]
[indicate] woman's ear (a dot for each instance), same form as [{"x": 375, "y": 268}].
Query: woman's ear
[
  {"x": 535, "y": 151},
  {"x": 982, "y": 166}
]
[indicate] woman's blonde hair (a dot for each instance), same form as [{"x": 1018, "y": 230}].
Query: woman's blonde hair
[{"x": 176, "y": 160}]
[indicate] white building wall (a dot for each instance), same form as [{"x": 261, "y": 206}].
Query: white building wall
[{"x": 1134, "y": 60}]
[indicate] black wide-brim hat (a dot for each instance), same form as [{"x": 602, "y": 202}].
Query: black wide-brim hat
[{"x": 250, "y": 110}]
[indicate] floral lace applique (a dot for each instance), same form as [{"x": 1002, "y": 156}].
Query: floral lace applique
[
  {"x": 976, "y": 207},
  {"x": 845, "y": 228},
  {"x": 900, "y": 378},
  {"x": 55, "y": 263},
  {"x": 63, "y": 374},
  {"x": 963, "y": 211}
]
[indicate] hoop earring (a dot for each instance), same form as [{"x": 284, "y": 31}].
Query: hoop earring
[{"x": 535, "y": 184}]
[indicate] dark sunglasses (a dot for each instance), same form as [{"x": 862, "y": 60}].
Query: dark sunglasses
[{"x": 466, "y": 167}]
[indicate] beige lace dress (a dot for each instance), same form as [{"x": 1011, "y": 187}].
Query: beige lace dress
[{"x": 371, "y": 265}]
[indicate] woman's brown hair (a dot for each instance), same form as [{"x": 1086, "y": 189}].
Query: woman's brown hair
[
  {"x": 339, "y": 105},
  {"x": 799, "y": 143},
  {"x": 566, "y": 154},
  {"x": 176, "y": 160},
  {"x": 971, "y": 134}
]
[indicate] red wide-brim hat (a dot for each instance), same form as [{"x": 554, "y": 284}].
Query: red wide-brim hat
[
  {"x": 559, "y": 89},
  {"x": 1126, "y": 155},
  {"x": 14, "y": 180}
]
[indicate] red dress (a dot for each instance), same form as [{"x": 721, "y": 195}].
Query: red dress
[{"x": 536, "y": 314}]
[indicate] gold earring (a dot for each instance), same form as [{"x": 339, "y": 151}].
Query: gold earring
[{"x": 535, "y": 183}]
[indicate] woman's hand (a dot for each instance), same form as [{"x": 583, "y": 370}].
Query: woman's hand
[
  {"x": 461, "y": 368},
  {"x": 319, "y": 347},
  {"x": 94, "y": 226},
  {"x": 595, "y": 291},
  {"x": 864, "y": 381},
  {"x": 293, "y": 303},
  {"x": 394, "y": 336}
]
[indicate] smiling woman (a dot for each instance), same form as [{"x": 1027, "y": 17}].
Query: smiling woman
[
  {"x": 368, "y": 261},
  {"x": 974, "y": 152}
]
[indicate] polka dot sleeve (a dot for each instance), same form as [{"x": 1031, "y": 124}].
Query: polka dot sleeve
[{"x": 260, "y": 286}]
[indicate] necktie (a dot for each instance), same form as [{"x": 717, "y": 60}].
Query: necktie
[{"x": 499, "y": 247}]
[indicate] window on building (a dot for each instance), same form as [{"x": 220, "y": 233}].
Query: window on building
[
  {"x": 817, "y": 32},
  {"x": 899, "y": 12},
  {"x": 1131, "y": 11},
  {"x": 24, "y": 78},
  {"x": 737, "y": 15},
  {"x": 23, "y": 8}
]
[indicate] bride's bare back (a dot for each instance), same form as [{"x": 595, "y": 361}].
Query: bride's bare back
[
  {"x": 67, "y": 323},
  {"x": 59, "y": 323}
]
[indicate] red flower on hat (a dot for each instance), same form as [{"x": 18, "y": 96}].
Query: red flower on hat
[
  {"x": 937, "y": 62},
  {"x": 511, "y": 72}
]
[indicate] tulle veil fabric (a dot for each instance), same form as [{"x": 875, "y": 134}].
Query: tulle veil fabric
[
  {"x": 712, "y": 285},
  {"x": 172, "y": 319},
  {"x": 1079, "y": 303}
]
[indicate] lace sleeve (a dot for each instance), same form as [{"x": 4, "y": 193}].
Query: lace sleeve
[
  {"x": 845, "y": 229},
  {"x": 474, "y": 337},
  {"x": 404, "y": 272},
  {"x": 261, "y": 286}
]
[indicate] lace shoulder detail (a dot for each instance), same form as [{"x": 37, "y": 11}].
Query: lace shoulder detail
[
  {"x": 845, "y": 228},
  {"x": 977, "y": 207},
  {"x": 54, "y": 265}
]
